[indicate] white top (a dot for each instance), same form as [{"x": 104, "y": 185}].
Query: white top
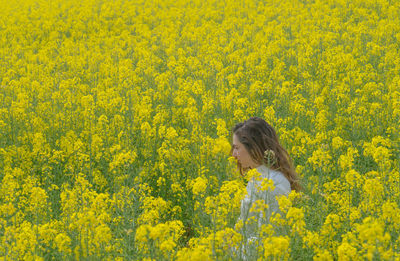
[{"x": 282, "y": 187}]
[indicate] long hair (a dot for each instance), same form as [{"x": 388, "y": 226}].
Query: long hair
[{"x": 259, "y": 138}]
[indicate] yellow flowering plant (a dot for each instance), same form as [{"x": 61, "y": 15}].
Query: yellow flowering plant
[{"x": 115, "y": 122}]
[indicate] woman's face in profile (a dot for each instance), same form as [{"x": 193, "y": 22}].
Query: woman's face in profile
[{"x": 240, "y": 153}]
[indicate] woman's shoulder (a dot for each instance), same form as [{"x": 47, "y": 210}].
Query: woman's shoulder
[{"x": 275, "y": 175}]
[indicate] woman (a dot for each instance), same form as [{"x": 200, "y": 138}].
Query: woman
[{"x": 256, "y": 146}]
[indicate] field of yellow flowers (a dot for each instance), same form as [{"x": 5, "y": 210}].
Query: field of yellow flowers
[{"x": 116, "y": 117}]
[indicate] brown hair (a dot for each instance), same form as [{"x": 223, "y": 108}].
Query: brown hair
[{"x": 259, "y": 138}]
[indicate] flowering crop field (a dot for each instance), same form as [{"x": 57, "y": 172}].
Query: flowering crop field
[{"x": 116, "y": 118}]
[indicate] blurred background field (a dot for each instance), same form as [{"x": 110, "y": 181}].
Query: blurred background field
[{"x": 116, "y": 117}]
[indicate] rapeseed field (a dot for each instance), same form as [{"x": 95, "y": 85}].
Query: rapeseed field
[{"x": 116, "y": 119}]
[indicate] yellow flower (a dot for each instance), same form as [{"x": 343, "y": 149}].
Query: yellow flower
[
  {"x": 323, "y": 255},
  {"x": 373, "y": 193},
  {"x": 267, "y": 184},
  {"x": 253, "y": 173},
  {"x": 346, "y": 161},
  {"x": 221, "y": 145},
  {"x": 295, "y": 217},
  {"x": 337, "y": 143},
  {"x": 346, "y": 252},
  {"x": 102, "y": 235},
  {"x": 199, "y": 186},
  {"x": 142, "y": 233},
  {"x": 222, "y": 130},
  {"x": 321, "y": 159},
  {"x": 391, "y": 213},
  {"x": 63, "y": 243},
  {"x": 277, "y": 248}
]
